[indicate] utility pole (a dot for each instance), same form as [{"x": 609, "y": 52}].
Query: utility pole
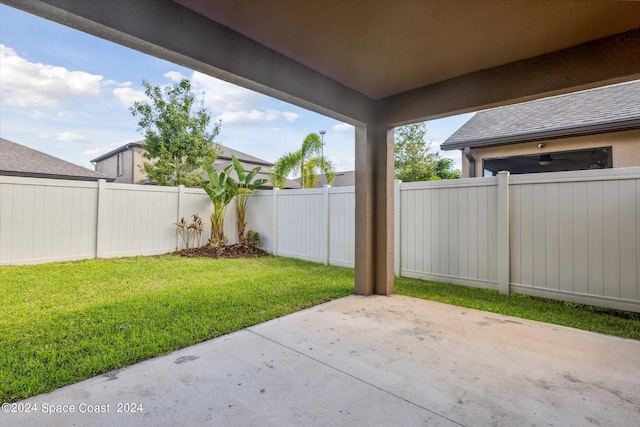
[{"x": 322, "y": 132}]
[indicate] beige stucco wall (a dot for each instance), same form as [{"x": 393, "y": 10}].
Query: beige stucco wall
[
  {"x": 625, "y": 149},
  {"x": 136, "y": 163},
  {"x": 132, "y": 160}
]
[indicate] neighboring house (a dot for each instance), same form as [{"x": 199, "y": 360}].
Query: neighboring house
[
  {"x": 593, "y": 129},
  {"x": 124, "y": 164},
  {"x": 18, "y": 160}
]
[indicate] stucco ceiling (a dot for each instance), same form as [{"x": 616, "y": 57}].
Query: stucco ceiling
[{"x": 382, "y": 48}]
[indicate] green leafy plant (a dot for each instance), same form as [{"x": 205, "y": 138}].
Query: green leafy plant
[
  {"x": 252, "y": 238},
  {"x": 221, "y": 188},
  {"x": 246, "y": 185}
]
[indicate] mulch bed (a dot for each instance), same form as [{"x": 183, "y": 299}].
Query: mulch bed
[{"x": 231, "y": 251}]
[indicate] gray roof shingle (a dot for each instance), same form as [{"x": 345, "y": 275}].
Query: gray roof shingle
[
  {"x": 18, "y": 160},
  {"x": 225, "y": 153},
  {"x": 603, "y": 109}
]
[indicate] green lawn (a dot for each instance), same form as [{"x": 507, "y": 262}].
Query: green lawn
[{"x": 64, "y": 322}]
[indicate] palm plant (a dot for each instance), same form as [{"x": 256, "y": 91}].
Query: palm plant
[
  {"x": 221, "y": 188},
  {"x": 245, "y": 186},
  {"x": 307, "y": 161}
]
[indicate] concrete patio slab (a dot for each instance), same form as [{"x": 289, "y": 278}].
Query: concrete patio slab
[{"x": 368, "y": 361}]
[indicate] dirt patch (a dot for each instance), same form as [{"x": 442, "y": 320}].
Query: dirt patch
[{"x": 231, "y": 251}]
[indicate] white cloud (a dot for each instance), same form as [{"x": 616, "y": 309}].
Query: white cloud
[
  {"x": 94, "y": 152},
  {"x": 231, "y": 103},
  {"x": 222, "y": 97},
  {"x": 126, "y": 95},
  {"x": 27, "y": 83},
  {"x": 289, "y": 116},
  {"x": 342, "y": 127},
  {"x": 69, "y": 137},
  {"x": 248, "y": 116},
  {"x": 62, "y": 136},
  {"x": 255, "y": 116},
  {"x": 174, "y": 76}
]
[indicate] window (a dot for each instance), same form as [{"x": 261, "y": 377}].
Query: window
[
  {"x": 119, "y": 165},
  {"x": 588, "y": 158}
]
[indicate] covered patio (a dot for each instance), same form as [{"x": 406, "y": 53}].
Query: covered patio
[
  {"x": 377, "y": 65},
  {"x": 380, "y": 360},
  {"x": 363, "y": 361}
]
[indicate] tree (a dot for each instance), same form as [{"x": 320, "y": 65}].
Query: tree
[
  {"x": 246, "y": 184},
  {"x": 177, "y": 138},
  {"x": 445, "y": 170},
  {"x": 307, "y": 161},
  {"x": 414, "y": 162}
]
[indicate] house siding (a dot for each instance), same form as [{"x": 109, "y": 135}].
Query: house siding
[
  {"x": 625, "y": 149},
  {"x": 109, "y": 167}
]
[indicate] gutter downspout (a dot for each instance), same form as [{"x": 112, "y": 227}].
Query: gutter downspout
[{"x": 472, "y": 161}]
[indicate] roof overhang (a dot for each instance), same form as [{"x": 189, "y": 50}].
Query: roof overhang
[
  {"x": 55, "y": 176},
  {"x": 387, "y": 61},
  {"x": 555, "y": 133},
  {"x": 118, "y": 150}
]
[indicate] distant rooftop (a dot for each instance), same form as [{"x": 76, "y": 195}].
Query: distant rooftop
[
  {"x": 226, "y": 153},
  {"x": 604, "y": 109},
  {"x": 342, "y": 179},
  {"x": 18, "y": 160}
]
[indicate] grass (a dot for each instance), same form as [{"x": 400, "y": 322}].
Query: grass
[
  {"x": 64, "y": 322},
  {"x": 619, "y": 323}
]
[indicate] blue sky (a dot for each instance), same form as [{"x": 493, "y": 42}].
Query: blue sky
[{"x": 67, "y": 93}]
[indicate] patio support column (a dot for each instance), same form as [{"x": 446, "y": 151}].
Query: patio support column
[
  {"x": 374, "y": 210},
  {"x": 504, "y": 252}
]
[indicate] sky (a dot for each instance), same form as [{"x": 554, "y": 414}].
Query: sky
[{"x": 67, "y": 93}]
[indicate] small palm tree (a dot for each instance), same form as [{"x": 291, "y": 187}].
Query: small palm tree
[
  {"x": 221, "y": 188},
  {"x": 307, "y": 161},
  {"x": 245, "y": 186}
]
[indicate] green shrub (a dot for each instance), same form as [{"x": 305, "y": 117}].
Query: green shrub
[{"x": 252, "y": 238}]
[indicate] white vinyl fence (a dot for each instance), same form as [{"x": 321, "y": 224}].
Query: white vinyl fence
[
  {"x": 571, "y": 236},
  {"x": 315, "y": 224},
  {"x": 43, "y": 220}
]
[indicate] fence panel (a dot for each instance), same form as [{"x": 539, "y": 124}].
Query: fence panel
[
  {"x": 300, "y": 224},
  {"x": 574, "y": 236},
  {"x": 139, "y": 220},
  {"x": 342, "y": 226},
  {"x": 448, "y": 231},
  {"x": 44, "y": 220}
]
